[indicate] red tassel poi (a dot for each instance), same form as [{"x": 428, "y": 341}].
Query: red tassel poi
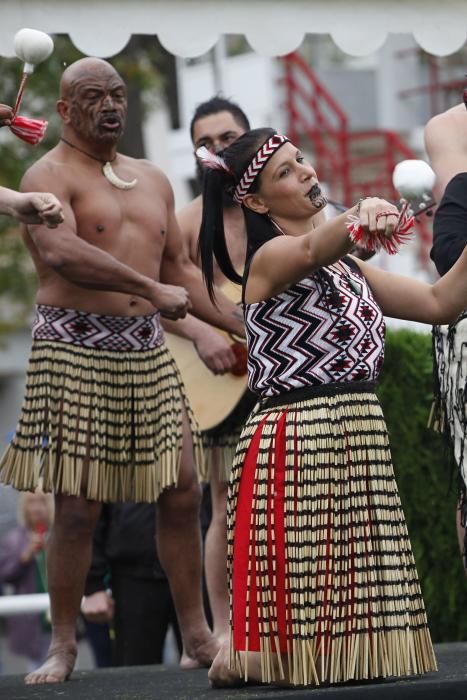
[
  {"x": 29, "y": 130},
  {"x": 376, "y": 240}
]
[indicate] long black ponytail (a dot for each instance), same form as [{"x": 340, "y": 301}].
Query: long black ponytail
[
  {"x": 259, "y": 229},
  {"x": 211, "y": 241}
]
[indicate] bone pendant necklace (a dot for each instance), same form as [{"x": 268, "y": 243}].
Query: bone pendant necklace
[{"x": 107, "y": 170}]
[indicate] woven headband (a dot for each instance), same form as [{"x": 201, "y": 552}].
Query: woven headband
[{"x": 257, "y": 164}]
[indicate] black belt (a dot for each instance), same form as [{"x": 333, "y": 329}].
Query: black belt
[{"x": 313, "y": 390}]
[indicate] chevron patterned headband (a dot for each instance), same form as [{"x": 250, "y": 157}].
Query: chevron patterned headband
[{"x": 257, "y": 164}]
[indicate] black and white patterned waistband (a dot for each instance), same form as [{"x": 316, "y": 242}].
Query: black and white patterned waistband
[{"x": 97, "y": 331}]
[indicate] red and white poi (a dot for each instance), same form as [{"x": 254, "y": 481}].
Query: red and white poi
[{"x": 32, "y": 47}]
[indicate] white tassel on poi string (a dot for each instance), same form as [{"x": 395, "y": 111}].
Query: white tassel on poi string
[
  {"x": 211, "y": 160},
  {"x": 32, "y": 47}
]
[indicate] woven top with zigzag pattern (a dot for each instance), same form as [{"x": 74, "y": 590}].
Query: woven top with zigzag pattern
[{"x": 326, "y": 328}]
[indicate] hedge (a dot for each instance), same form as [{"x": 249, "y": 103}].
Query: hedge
[{"x": 427, "y": 486}]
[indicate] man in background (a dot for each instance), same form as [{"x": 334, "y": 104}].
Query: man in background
[
  {"x": 446, "y": 146},
  {"x": 216, "y": 124},
  {"x": 127, "y": 589}
]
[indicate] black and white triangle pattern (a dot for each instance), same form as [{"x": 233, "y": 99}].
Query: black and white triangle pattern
[
  {"x": 122, "y": 333},
  {"x": 326, "y": 328}
]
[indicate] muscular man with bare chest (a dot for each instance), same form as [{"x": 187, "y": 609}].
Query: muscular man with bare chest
[{"x": 105, "y": 416}]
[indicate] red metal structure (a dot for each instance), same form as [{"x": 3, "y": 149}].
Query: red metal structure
[
  {"x": 353, "y": 164},
  {"x": 443, "y": 88}
]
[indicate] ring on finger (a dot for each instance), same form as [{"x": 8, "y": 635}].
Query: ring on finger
[{"x": 386, "y": 213}]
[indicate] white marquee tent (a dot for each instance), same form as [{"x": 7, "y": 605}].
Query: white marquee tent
[{"x": 273, "y": 27}]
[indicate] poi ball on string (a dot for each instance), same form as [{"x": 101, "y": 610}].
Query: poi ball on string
[
  {"x": 413, "y": 178},
  {"x": 32, "y": 47}
]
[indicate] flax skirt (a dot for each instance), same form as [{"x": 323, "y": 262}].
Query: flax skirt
[
  {"x": 112, "y": 416},
  {"x": 321, "y": 573}
]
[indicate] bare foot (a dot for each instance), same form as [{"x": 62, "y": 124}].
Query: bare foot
[
  {"x": 223, "y": 638},
  {"x": 187, "y": 663},
  {"x": 200, "y": 654},
  {"x": 220, "y": 675},
  {"x": 57, "y": 667}
]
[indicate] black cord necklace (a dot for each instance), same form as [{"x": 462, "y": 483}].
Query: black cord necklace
[
  {"x": 89, "y": 155},
  {"x": 107, "y": 169}
]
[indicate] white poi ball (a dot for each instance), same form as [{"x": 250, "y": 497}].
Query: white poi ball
[
  {"x": 32, "y": 47},
  {"x": 413, "y": 178}
]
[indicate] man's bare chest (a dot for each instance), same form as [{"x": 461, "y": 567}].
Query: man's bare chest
[{"x": 100, "y": 211}]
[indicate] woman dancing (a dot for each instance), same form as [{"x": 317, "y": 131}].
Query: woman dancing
[{"x": 322, "y": 579}]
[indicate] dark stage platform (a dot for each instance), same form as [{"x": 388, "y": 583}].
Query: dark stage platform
[{"x": 162, "y": 683}]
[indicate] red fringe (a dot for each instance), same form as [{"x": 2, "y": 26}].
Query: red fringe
[
  {"x": 29, "y": 130},
  {"x": 247, "y": 593},
  {"x": 375, "y": 241}
]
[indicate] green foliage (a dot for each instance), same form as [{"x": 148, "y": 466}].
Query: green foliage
[{"x": 423, "y": 467}]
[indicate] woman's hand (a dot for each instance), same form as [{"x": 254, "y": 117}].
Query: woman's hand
[
  {"x": 378, "y": 216},
  {"x": 98, "y": 607},
  {"x": 37, "y": 208}
]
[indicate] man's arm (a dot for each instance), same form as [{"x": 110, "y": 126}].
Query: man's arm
[
  {"x": 179, "y": 269},
  {"x": 88, "y": 266},
  {"x": 214, "y": 350},
  {"x": 189, "y": 222}
]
